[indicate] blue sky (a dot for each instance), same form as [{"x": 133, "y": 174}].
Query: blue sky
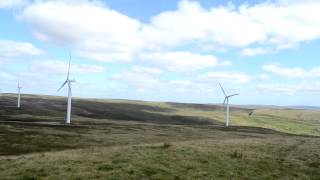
[{"x": 163, "y": 50}]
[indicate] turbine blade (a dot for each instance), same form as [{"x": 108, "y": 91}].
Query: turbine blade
[
  {"x": 225, "y": 99},
  {"x": 62, "y": 85},
  {"x": 234, "y": 95},
  {"x": 69, "y": 65},
  {"x": 222, "y": 89}
]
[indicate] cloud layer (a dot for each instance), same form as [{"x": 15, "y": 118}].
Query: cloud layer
[
  {"x": 93, "y": 31},
  {"x": 290, "y": 89},
  {"x": 295, "y": 72},
  {"x": 13, "y": 49},
  {"x": 57, "y": 67},
  {"x": 174, "y": 51},
  {"x": 13, "y": 3},
  {"x": 182, "y": 61},
  {"x": 99, "y": 33}
]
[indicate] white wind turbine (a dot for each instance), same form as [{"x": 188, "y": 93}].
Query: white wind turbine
[
  {"x": 226, "y": 102},
  {"x": 68, "y": 81},
  {"x": 19, "y": 96}
]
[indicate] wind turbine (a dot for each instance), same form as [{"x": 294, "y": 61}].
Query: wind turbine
[
  {"x": 19, "y": 89},
  {"x": 226, "y": 102},
  {"x": 68, "y": 82}
]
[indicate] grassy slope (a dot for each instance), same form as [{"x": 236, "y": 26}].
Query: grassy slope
[
  {"x": 119, "y": 139},
  {"x": 285, "y": 120},
  {"x": 219, "y": 157},
  {"x": 295, "y": 121}
]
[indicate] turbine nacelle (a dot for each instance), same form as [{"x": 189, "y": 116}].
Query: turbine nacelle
[
  {"x": 19, "y": 87},
  {"x": 66, "y": 82},
  {"x": 226, "y": 97}
]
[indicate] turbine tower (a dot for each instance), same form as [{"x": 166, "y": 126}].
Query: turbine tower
[
  {"x": 19, "y": 89},
  {"x": 226, "y": 102},
  {"x": 68, "y": 82}
]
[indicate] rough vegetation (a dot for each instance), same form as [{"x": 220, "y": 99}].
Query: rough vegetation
[{"x": 119, "y": 139}]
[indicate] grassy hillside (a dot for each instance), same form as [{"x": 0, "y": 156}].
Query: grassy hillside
[
  {"x": 120, "y": 139},
  {"x": 217, "y": 155},
  {"x": 35, "y": 108}
]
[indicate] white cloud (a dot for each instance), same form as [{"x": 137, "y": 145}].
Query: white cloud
[
  {"x": 93, "y": 31},
  {"x": 148, "y": 70},
  {"x": 231, "y": 77},
  {"x": 225, "y": 63},
  {"x": 272, "y": 24},
  {"x": 315, "y": 72},
  {"x": 190, "y": 86},
  {"x": 181, "y": 83},
  {"x": 139, "y": 81},
  {"x": 191, "y": 23},
  {"x": 61, "y": 67},
  {"x": 291, "y": 89},
  {"x": 295, "y": 72},
  {"x": 263, "y": 77},
  {"x": 254, "y": 51},
  {"x": 180, "y": 61},
  {"x": 287, "y": 72},
  {"x": 13, "y": 3},
  {"x": 287, "y": 24},
  {"x": 12, "y": 49},
  {"x": 97, "y": 32},
  {"x": 148, "y": 81},
  {"x": 5, "y": 75}
]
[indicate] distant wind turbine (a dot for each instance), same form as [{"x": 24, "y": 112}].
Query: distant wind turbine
[
  {"x": 68, "y": 81},
  {"x": 226, "y": 102},
  {"x": 19, "y": 95}
]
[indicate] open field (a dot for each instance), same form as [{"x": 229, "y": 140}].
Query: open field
[{"x": 119, "y": 139}]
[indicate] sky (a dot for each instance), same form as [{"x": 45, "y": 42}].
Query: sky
[{"x": 177, "y": 50}]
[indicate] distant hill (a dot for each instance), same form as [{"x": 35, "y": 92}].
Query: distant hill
[{"x": 294, "y": 119}]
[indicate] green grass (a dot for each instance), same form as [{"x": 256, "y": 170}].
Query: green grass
[
  {"x": 120, "y": 139},
  {"x": 239, "y": 158},
  {"x": 294, "y": 121},
  {"x": 47, "y": 108}
]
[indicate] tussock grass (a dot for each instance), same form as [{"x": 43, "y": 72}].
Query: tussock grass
[
  {"x": 249, "y": 158},
  {"x": 119, "y": 139}
]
